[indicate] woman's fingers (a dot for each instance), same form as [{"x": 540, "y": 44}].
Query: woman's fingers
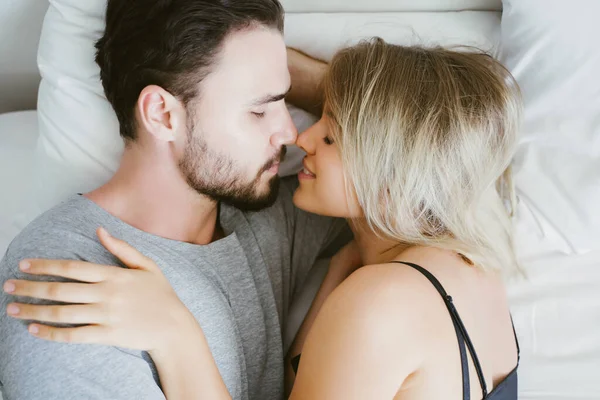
[
  {"x": 84, "y": 334},
  {"x": 58, "y": 291},
  {"x": 71, "y": 269},
  {"x": 124, "y": 252},
  {"x": 61, "y": 314}
]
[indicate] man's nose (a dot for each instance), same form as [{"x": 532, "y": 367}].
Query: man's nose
[{"x": 286, "y": 134}]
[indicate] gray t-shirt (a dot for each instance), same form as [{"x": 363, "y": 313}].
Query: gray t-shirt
[{"x": 239, "y": 289}]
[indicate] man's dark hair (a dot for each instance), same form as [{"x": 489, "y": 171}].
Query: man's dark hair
[{"x": 169, "y": 43}]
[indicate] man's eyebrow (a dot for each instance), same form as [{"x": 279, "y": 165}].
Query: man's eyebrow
[{"x": 270, "y": 98}]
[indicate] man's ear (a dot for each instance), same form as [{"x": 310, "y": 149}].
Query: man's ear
[{"x": 160, "y": 113}]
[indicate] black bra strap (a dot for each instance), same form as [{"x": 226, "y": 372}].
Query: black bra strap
[
  {"x": 464, "y": 363},
  {"x": 516, "y": 341},
  {"x": 461, "y": 333}
]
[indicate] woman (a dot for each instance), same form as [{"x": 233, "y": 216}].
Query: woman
[{"x": 413, "y": 148}]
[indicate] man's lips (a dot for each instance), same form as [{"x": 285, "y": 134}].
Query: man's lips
[
  {"x": 274, "y": 164},
  {"x": 274, "y": 167}
]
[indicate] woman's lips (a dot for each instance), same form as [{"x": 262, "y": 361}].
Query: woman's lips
[{"x": 306, "y": 173}]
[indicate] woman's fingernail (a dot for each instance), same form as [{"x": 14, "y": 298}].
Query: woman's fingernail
[
  {"x": 9, "y": 287},
  {"x": 13, "y": 309},
  {"x": 34, "y": 329},
  {"x": 24, "y": 265}
]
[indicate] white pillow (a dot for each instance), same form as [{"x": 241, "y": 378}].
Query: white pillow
[
  {"x": 322, "y": 34},
  {"x": 551, "y": 47},
  {"x": 80, "y": 147},
  {"x": 386, "y": 6}
]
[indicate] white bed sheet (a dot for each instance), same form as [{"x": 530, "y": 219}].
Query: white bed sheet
[
  {"x": 18, "y": 138},
  {"x": 556, "y": 311}
]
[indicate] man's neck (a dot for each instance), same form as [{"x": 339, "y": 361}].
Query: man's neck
[{"x": 149, "y": 193}]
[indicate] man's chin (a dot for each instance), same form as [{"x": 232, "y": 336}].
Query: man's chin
[{"x": 256, "y": 201}]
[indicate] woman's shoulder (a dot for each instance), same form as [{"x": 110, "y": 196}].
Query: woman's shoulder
[
  {"x": 389, "y": 296},
  {"x": 395, "y": 294},
  {"x": 396, "y": 280},
  {"x": 369, "y": 319},
  {"x": 381, "y": 306}
]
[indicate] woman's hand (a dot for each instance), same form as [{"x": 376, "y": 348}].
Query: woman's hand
[{"x": 134, "y": 308}]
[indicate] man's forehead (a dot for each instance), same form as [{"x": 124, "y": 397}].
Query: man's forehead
[
  {"x": 252, "y": 48},
  {"x": 253, "y": 59}
]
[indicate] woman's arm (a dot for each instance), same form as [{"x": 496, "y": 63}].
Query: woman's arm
[
  {"x": 306, "y": 74},
  {"x": 187, "y": 369},
  {"x": 344, "y": 263},
  {"x": 366, "y": 340}
]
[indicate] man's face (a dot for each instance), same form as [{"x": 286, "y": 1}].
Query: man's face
[{"x": 239, "y": 125}]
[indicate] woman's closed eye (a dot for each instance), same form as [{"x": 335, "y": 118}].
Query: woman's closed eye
[
  {"x": 328, "y": 141},
  {"x": 258, "y": 114}
]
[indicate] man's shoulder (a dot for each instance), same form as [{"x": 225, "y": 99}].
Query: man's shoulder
[
  {"x": 64, "y": 231},
  {"x": 67, "y": 220}
]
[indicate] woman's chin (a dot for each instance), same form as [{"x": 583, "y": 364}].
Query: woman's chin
[
  {"x": 305, "y": 201},
  {"x": 299, "y": 198}
]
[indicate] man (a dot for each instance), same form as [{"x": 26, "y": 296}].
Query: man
[{"x": 198, "y": 87}]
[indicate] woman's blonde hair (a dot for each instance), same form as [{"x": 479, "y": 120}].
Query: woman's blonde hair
[{"x": 426, "y": 137}]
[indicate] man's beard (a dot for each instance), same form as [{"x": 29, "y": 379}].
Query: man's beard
[{"x": 215, "y": 175}]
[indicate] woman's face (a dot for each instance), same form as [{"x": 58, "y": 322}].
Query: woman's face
[{"x": 322, "y": 187}]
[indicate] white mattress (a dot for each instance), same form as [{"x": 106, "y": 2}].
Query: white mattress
[
  {"x": 556, "y": 311},
  {"x": 18, "y": 138}
]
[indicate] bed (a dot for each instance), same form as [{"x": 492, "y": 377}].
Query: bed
[{"x": 59, "y": 136}]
